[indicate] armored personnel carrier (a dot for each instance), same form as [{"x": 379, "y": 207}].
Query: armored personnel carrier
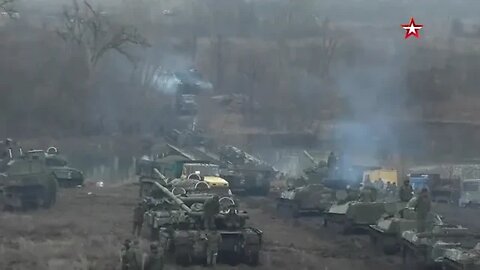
[
  {"x": 428, "y": 249},
  {"x": 66, "y": 176},
  {"x": 462, "y": 258},
  {"x": 179, "y": 221},
  {"x": 312, "y": 199},
  {"x": 357, "y": 215},
  {"x": 387, "y": 232},
  {"x": 26, "y": 182}
]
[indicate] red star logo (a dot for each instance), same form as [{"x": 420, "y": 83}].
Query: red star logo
[{"x": 412, "y": 29}]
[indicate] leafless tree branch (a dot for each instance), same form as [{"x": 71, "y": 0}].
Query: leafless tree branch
[
  {"x": 6, "y": 6},
  {"x": 91, "y": 30}
]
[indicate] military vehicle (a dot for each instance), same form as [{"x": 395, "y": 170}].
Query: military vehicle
[
  {"x": 66, "y": 176},
  {"x": 179, "y": 221},
  {"x": 338, "y": 176},
  {"x": 312, "y": 199},
  {"x": 462, "y": 258},
  {"x": 387, "y": 232},
  {"x": 428, "y": 249},
  {"x": 357, "y": 215},
  {"x": 187, "y": 173},
  {"x": 250, "y": 174},
  {"x": 188, "y": 137},
  {"x": 26, "y": 182}
]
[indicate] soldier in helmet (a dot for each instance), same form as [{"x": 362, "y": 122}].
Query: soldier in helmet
[
  {"x": 138, "y": 214},
  {"x": 406, "y": 191},
  {"x": 125, "y": 249},
  {"x": 214, "y": 239},
  {"x": 422, "y": 208},
  {"x": 210, "y": 209},
  {"x": 155, "y": 260},
  {"x": 331, "y": 161}
]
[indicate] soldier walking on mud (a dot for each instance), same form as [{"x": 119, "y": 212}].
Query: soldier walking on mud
[
  {"x": 422, "y": 208},
  {"x": 214, "y": 240},
  {"x": 155, "y": 260},
  {"x": 131, "y": 258},
  {"x": 406, "y": 191},
  {"x": 138, "y": 213},
  {"x": 210, "y": 209}
]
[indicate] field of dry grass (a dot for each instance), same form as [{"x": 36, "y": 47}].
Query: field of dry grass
[
  {"x": 87, "y": 226},
  {"x": 84, "y": 230}
]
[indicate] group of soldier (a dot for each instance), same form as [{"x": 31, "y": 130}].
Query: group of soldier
[
  {"x": 421, "y": 204},
  {"x": 134, "y": 259}
]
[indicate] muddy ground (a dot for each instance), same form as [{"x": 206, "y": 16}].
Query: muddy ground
[{"x": 87, "y": 226}]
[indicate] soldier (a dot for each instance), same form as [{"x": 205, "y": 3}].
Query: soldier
[
  {"x": 368, "y": 194},
  {"x": 406, "y": 191},
  {"x": 138, "y": 213},
  {"x": 210, "y": 209},
  {"x": 422, "y": 208},
  {"x": 331, "y": 161},
  {"x": 214, "y": 240},
  {"x": 124, "y": 259},
  {"x": 155, "y": 260},
  {"x": 131, "y": 258},
  {"x": 351, "y": 195}
]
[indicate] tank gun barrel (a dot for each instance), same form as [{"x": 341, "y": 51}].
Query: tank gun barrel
[
  {"x": 305, "y": 152},
  {"x": 173, "y": 197},
  {"x": 159, "y": 174}
]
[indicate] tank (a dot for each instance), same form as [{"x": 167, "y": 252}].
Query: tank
[
  {"x": 66, "y": 176},
  {"x": 311, "y": 199},
  {"x": 428, "y": 249},
  {"x": 387, "y": 232},
  {"x": 356, "y": 215},
  {"x": 178, "y": 219},
  {"x": 248, "y": 174},
  {"x": 318, "y": 171},
  {"x": 462, "y": 258},
  {"x": 26, "y": 182}
]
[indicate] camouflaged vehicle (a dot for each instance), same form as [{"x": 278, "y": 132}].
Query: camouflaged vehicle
[
  {"x": 462, "y": 258},
  {"x": 188, "y": 175},
  {"x": 178, "y": 219},
  {"x": 357, "y": 215},
  {"x": 387, "y": 232},
  {"x": 312, "y": 199},
  {"x": 26, "y": 182},
  {"x": 428, "y": 249},
  {"x": 66, "y": 176},
  {"x": 248, "y": 174}
]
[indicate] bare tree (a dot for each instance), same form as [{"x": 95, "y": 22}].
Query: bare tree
[
  {"x": 91, "y": 31},
  {"x": 6, "y": 6},
  {"x": 327, "y": 47}
]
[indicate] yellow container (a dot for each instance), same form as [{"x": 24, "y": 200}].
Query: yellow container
[{"x": 387, "y": 175}]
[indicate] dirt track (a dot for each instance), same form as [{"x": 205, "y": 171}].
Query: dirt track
[{"x": 85, "y": 231}]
